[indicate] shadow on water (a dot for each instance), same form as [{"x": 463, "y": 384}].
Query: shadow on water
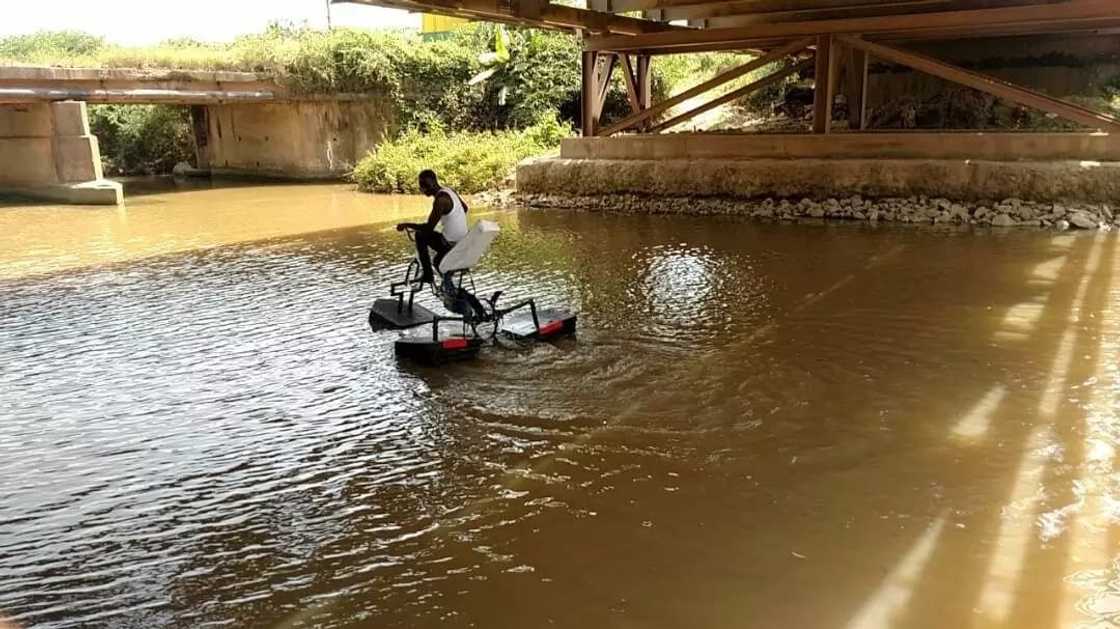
[{"x": 758, "y": 425}]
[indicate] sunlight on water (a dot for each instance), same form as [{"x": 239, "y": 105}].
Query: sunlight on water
[
  {"x": 1016, "y": 530},
  {"x": 978, "y": 420},
  {"x": 887, "y": 606}
]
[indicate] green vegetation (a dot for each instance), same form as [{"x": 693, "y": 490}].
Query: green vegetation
[
  {"x": 141, "y": 139},
  {"x": 468, "y": 161},
  {"x": 470, "y": 104}
]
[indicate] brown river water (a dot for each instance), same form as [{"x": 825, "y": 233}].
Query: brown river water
[{"x": 758, "y": 425}]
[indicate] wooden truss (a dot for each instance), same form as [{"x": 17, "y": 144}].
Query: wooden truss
[{"x": 831, "y": 53}]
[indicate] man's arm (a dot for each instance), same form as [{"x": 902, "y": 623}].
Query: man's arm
[{"x": 440, "y": 206}]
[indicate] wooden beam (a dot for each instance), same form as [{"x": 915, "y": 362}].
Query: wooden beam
[
  {"x": 824, "y": 84},
  {"x": 1048, "y": 16},
  {"x": 855, "y": 86},
  {"x": 725, "y": 17},
  {"x": 631, "y": 84},
  {"x": 679, "y": 9},
  {"x": 623, "y": 6},
  {"x": 987, "y": 84},
  {"x": 645, "y": 81},
  {"x": 769, "y": 11},
  {"x": 783, "y": 8},
  {"x": 540, "y": 15},
  {"x": 907, "y": 7},
  {"x": 604, "y": 68},
  {"x": 720, "y": 79},
  {"x": 588, "y": 94},
  {"x": 733, "y": 95},
  {"x": 1088, "y": 28}
]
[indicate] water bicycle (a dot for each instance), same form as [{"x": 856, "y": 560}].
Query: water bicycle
[{"x": 474, "y": 322}]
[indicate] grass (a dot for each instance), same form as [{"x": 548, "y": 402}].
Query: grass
[{"x": 468, "y": 161}]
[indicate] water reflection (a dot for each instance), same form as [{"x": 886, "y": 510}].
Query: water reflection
[{"x": 758, "y": 425}]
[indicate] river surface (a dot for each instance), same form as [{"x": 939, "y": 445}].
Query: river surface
[{"x": 758, "y": 425}]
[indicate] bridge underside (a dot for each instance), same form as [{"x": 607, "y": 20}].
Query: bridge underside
[{"x": 833, "y": 42}]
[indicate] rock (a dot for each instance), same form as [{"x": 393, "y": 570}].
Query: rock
[
  {"x": 181, "y": 169},
  {"x": 873, "y": 215},
  {"x": 1083, "y": 220},
  {"x": 1002, "y": 220}
]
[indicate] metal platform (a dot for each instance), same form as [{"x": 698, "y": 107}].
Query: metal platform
[
  {"x": 553, "y": 322},
  {"x": 392, "y": 314}
]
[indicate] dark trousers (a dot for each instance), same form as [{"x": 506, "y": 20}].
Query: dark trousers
[{"x": 431, "y": 239}]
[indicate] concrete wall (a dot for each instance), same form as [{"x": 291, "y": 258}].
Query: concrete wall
[
  {"x": 969, "y": 166},
  {"x": 47, "y": 151},
  {"x": 1008, "y": 147},
  {"x": 298, "y": 139},
  {"x": 977, "y": 180}
]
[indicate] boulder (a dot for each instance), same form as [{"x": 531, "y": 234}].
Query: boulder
[
  {"x": 1002, "y": 220},
  {"x": 1083, "y": 220}
]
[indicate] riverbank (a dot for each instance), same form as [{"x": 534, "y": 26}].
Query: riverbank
[{"x": 917, "y": 209}]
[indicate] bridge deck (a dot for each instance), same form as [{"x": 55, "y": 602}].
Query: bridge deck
[{"x": 179, "y": 87}]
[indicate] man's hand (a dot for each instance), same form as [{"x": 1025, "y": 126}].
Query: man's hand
[{"x": 402, "y": 226}]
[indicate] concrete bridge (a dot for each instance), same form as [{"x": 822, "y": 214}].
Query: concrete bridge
[{"x": 243, "y": 124}]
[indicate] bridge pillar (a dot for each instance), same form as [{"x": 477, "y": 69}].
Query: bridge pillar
[{"x": 48, "y": 152}]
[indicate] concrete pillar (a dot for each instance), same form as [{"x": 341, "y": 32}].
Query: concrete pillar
[{"x": 48, "y": 152}]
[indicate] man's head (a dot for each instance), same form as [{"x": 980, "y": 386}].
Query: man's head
[{"x": 429, "y": 184}]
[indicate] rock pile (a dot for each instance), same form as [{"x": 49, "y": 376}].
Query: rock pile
[{"x": 1006, "y": 213}]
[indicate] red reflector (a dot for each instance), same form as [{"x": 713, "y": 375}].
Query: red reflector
[
  {"x": 454, "y": 343},
  {"x": 549, "y": 328}
]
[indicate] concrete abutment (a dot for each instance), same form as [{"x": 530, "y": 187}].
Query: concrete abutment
[
  {"x": 47, "y": 152},
  {"x": 967, "y": 166}
]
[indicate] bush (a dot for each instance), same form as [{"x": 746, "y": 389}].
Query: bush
[
  {"x": 141, "y": 139},
  {"x": 467, "y": 161},
  {"x": 45, "y": 47}
]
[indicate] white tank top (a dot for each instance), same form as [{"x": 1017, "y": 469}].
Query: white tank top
[{"x": 454, "y": 222}]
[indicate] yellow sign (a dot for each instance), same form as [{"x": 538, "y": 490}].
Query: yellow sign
[{"x": 440, "y": 23}]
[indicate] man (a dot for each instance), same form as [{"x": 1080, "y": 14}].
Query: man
[{"x": 449, "y": 211}]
